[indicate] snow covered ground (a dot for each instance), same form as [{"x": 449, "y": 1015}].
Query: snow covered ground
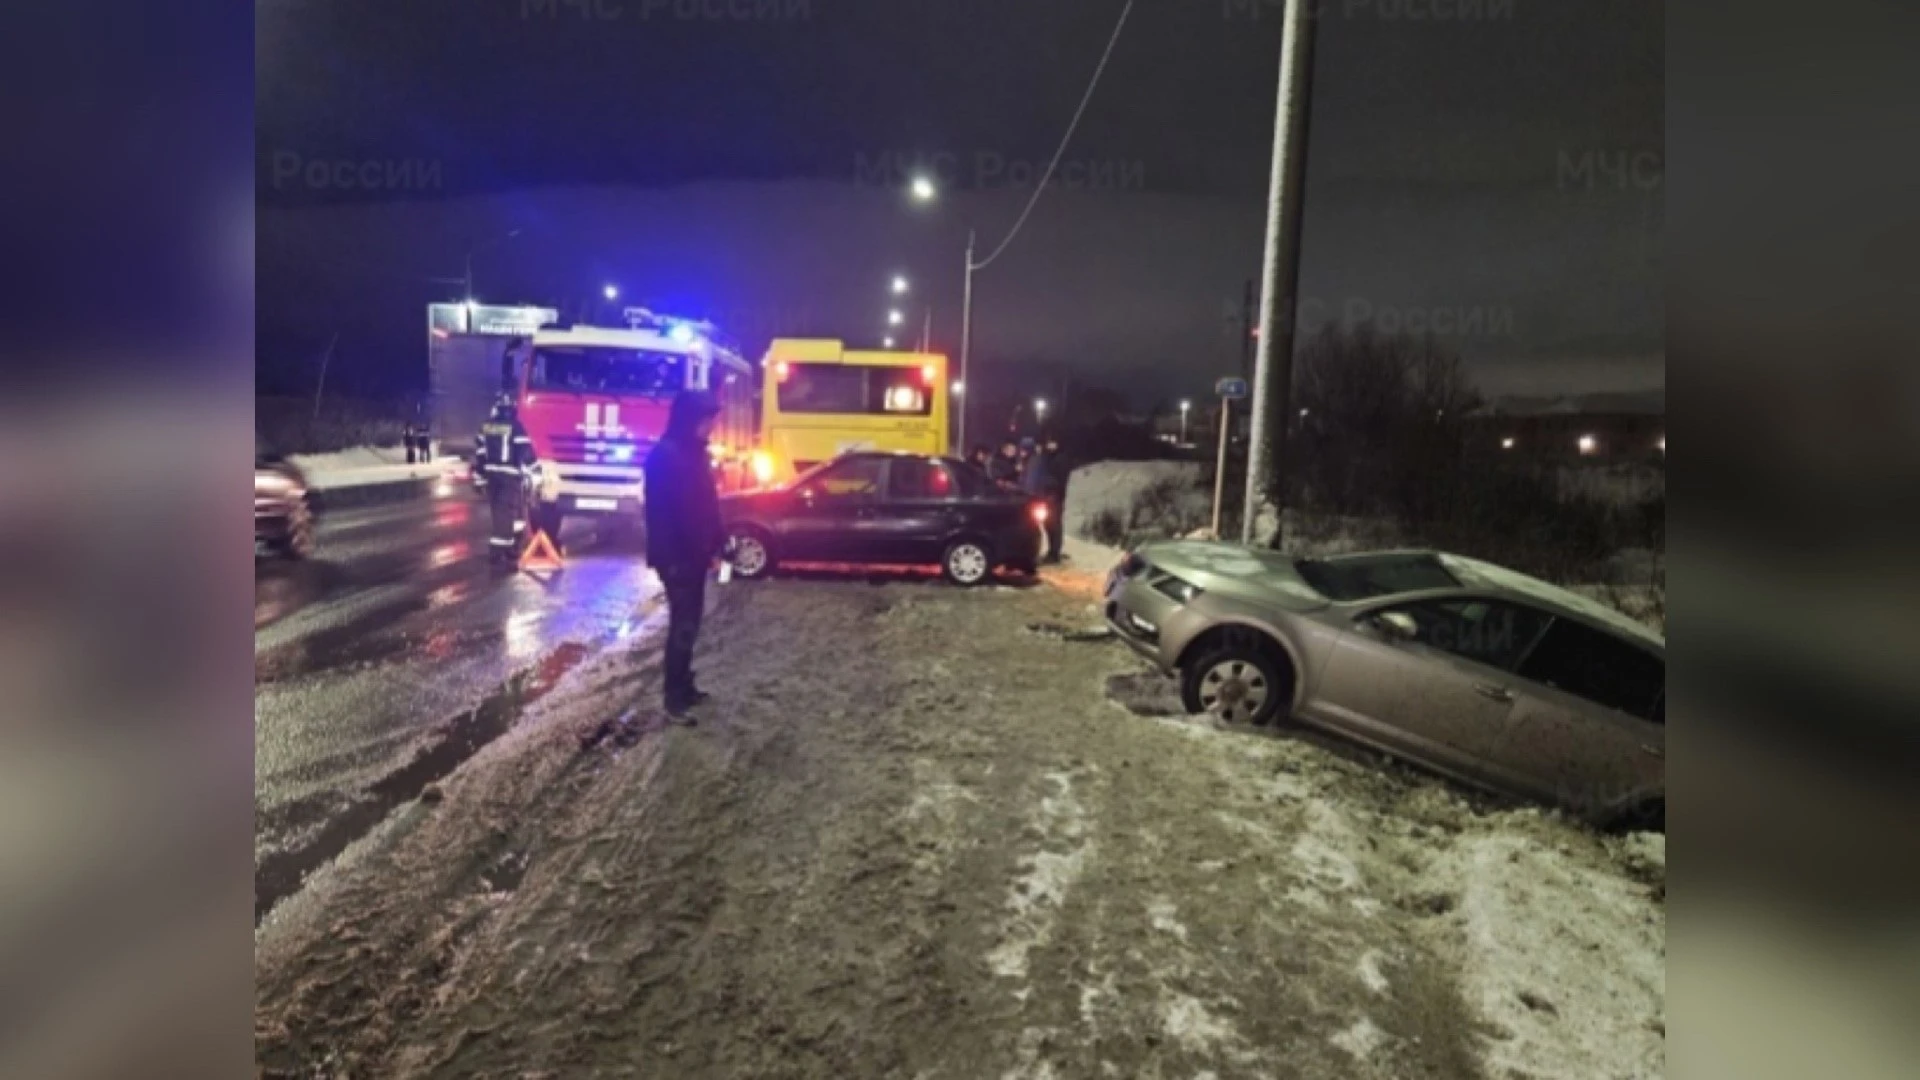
[
  {"x": 365, "y": 465},
  {"x": 929, "y": 832},
  {"x": 1113, "y": 485}
]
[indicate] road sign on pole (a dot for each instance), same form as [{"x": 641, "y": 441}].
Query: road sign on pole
[{"x": 1230, "y": 390}]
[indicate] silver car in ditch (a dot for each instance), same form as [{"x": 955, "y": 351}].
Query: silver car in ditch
[{"x": 1467, "y": 668}]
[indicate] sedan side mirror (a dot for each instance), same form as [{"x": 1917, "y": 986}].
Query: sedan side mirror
[{"x": 1395, "y": 625}]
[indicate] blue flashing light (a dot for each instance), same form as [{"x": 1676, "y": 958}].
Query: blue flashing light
[{"x": 680, "y": 333}]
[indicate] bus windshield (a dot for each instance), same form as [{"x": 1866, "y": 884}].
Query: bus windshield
[
  {"x": 606, "y": 370},
  {"x": 854, "y": 390}
]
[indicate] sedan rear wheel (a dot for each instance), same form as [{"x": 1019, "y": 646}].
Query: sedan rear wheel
[
  {"x": 1238, "y": 686},
  {"x": 967, "y": 563}
]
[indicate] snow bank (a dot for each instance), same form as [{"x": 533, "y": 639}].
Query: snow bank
[
  {"x": 366, "y": 465},
  {"x": 1113, "y": 485}
]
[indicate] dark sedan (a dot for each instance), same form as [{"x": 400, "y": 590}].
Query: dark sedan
[{"x": 887, "y": 508}]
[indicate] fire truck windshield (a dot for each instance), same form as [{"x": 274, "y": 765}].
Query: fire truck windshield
[{"x": 594, "y": 369}]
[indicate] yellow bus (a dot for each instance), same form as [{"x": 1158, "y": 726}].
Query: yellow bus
[{"x": 823, "y": 400}]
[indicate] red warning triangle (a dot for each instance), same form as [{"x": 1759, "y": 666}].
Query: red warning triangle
[{"x": 541, "y": 554}]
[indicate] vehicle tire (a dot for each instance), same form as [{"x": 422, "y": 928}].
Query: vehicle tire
[
  {"x": 967, "y": 563},
  {"x": 1237, "y": 683},
  {"x": 1650, "y": 816},
  {"x": 752, "y": 554},
  {"x": 547, "y": 518},
  {"x": 298, "y": 541}
]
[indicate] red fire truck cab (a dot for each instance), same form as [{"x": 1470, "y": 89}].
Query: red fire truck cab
[{"x": 595, "y": 399}]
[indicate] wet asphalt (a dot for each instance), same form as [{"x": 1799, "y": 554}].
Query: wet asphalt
[{"x": 395, "y": 653}]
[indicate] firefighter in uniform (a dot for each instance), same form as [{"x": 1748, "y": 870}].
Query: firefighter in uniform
[{"x": 508, "y": 454}]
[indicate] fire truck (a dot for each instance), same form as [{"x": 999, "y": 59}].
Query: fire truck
[
  {"x": 467, "y": 366},
  {"x": 594, "y": 400}
]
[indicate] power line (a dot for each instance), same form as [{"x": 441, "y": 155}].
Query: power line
[{"x": 1064, "y": 139}]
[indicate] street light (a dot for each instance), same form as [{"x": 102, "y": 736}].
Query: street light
[
  {"x": 894, "y": 317},
  {"x": 1040, "y": 409},
  {"x": 922, "y": 190},
  {"x": 611, "y": 292},
  {"x": 899, "y": 285},
  {"x": 1184, "y": 407},
  {"x": 886, "y": 343},
  {"x": 959, "y": 388}
]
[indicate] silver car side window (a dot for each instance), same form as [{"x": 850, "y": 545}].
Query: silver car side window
[
  {"x": 1491, "y": 632},
  {"x": 1579, "y": 660}
]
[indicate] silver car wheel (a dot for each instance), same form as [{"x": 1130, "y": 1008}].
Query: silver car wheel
[
  {"x": 1234, "y": 691},
  {"x": 749, "y": 556},
  {"x": 967, "y": 563}
]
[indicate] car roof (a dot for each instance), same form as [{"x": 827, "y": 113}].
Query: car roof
[
  {"x": 892, "y": 454},
  {"x": 1479, "y": 578}
]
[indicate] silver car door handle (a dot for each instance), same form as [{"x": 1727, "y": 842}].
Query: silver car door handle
[
  {"x": 1492, "y": 692},
  {"x": 1656, "y": 751}
]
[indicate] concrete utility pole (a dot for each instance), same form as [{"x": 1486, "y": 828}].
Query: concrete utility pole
[
  {"x": 1246, "y": 332},
  {"x": 966, "y": 340},
  {"x": 1280, "y": 277}
]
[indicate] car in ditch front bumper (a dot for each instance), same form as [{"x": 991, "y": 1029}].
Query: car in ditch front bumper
[{"x": 1149, "y": 614}]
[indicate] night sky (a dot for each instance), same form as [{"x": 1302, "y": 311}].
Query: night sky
[{"x": 1490, "y": 171}]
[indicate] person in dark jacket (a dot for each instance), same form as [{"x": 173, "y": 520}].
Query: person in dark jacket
[
  {"x": 981, "y": 457},
  {"x": 1046, "y": 479},
  {"x": 1005, "y": 466},
  {"x": 684, "y": 535}
]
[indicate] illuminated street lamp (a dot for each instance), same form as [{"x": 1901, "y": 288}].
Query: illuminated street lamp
[
  {"x": 1184, "y": 407},
  {"x": 922, "y": 189},
  {"x": 886, "y": 343},
  {"x": 894, "y": 317},
  {"x": 1506, "y": 443},
  {"x": 899, "y": 285},
  {"x": 1588, "y": 444},
  {"x": 611, "y": 292},
  {"x": 959, "y": 388},
  {"x": 1040, "y": 409}
]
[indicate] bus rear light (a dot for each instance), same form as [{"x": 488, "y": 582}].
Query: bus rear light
[
  {"x": 928, "y": 373},
  {"x": 781, "y": 370}
]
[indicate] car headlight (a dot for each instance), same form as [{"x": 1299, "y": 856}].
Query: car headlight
[{"x": 1175, "y": 588}]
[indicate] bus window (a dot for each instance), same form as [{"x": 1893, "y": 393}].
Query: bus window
[
  {"x": 603, "y": 370},
  {"x": 849, "y": 389}
]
